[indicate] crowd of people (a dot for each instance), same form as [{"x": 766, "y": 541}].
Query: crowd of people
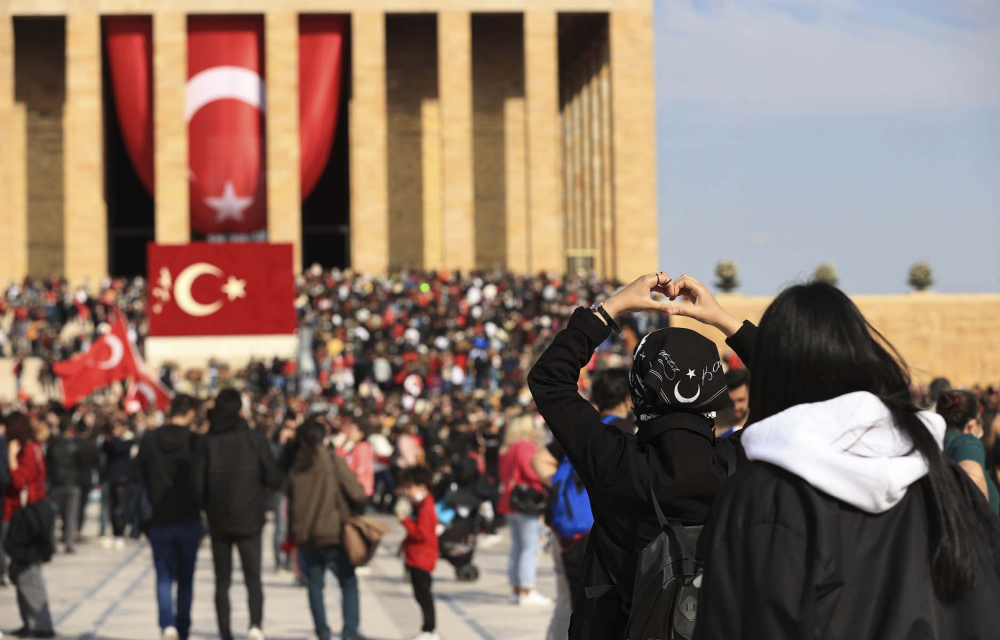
[{"x": 457, "y": 404}]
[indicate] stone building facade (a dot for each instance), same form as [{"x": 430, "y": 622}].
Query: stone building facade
[{"x": 517, "y": 134}]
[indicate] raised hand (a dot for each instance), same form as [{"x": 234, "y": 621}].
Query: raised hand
[
  {"x": 638, "y": 295},
  {"x": 704, "y": 307}
]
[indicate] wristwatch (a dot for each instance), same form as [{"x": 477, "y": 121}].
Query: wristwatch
[{"x": 598, "y": 308}]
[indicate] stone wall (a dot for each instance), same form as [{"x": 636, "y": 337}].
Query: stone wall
[{"x": 952, "y": 335}]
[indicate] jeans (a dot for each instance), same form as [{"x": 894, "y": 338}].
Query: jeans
[
  {"x": 334, "y": 558},
  {"x": 222, "y": 554},
  {"x": 32, "y": 600},
  {"x": 281, "y": 560},
  {"x": 67, "y": 501},
  {"x": 175, "y": 551},
  {"x": 559, "y": 625},
  {"x": 117, "y": 504},
  {"x": 421, "y": 581},
  {"x": 524, "y": 533}
]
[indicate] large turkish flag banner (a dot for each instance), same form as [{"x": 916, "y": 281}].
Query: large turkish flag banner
[
  {"x": 206, "y": 289},
  {"x": 224, "y": 107}
]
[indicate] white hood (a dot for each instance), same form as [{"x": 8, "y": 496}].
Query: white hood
[{"x": 847, "y": 447}]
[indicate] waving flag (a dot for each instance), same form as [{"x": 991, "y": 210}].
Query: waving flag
[
  {"x": 109, "y": 359},
  {"x": 145, "y": 391}
]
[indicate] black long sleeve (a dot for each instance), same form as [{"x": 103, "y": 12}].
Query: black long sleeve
[
  {"x": 595, "y": 449},
  {"x": 742, "y": 343}
]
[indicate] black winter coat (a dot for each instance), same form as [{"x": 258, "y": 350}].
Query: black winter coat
[
  {"x": 616, "y": 469},
  {"x": 233, "y": 470},
  {"x": 165, "y": 465},
  {"x": 62, "y": 461},
  {"x": 784, "y": 560}
]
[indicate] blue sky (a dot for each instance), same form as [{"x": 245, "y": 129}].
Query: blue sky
[{"x": 862, "y": 133}]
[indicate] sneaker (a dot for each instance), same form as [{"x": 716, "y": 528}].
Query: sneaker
[
  {"x": 170, "y": 633},
  {"x": 107, "y": 542},
  {"x": 363, "y": 571},
  {"x": 119, "y": 544},
  {"x": 490, "y": 540},
  {"x": 535, "y": 598},
  {"x": 428, "y": 635},
  {"x": 514, "y": 599},
  {"x": 255, "y": 634}
]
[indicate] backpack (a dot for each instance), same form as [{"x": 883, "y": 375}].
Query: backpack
[
  {"x": 572, "y": 517},
  {"x": 667, "y": 577}
]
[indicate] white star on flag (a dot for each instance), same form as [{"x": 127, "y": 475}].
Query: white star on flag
[
  {"x": 229, "y": 205},
  {"x": 690, "y": 373},
  {"x": 235, "y": 288}
]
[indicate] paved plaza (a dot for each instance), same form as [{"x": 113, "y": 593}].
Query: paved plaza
[{"x": 104, "y": 594}]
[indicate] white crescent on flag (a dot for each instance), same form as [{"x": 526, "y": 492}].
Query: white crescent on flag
[
  {"x": 182, "y": 289},
  {"x": 223, "y": 83},
  {"x": 117, "y": 352}
]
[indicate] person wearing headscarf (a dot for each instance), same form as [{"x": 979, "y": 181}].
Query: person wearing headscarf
[{"x": 677, "y": 386}]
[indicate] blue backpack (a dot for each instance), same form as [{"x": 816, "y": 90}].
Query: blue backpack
[
  {"x": 571, "y": 513},
  {"x": 572, "y": 517}
]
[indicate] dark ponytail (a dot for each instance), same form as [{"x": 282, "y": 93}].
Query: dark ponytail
[
  {"x": 958, "y": 408},
  {"x": 814, "y": 345}
]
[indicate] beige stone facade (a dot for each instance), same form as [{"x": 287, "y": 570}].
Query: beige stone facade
[
  {"x": 955, "y": 336},
  {"x": 482, "y": 133}
]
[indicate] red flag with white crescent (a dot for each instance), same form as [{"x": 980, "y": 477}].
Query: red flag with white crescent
[
  {"x": 207, "y": 289},
  {"x": 109, "y": 359},
  {"x": 145, "y": 391},
  {"x": 224, "y": 108}
]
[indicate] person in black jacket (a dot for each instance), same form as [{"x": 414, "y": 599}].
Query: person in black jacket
[
  {"x": 234, "y": 469},
  {"x": 847, "y": 521},
  {"x": 165, "y": 466},
  {"x": 62, "y": 459},
  {"x": 676, "y": 385},
  {"x": 117, "y": 451}
]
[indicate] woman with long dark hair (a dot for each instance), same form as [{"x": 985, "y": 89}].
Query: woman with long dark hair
[
  {"x": 322, "y": 492},
  {"x": 27, "y": 488},
  {"x": 847, "y": 521}
]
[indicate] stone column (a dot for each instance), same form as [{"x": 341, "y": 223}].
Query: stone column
[
  {"x": 455, "y": 90},
  {"x": 634, "y": 121},
  {"x": 284, "y": 186},
  {"x": 86, "y": 214},
  {"x": 541, "y": 82},
  {"x": 170, "y": 132},
  {"x": 430, "y": 152},
  {"x": 13, "y": 193},
  {"x": 607, "y": 223},
  {"x": 515, "y": 181},
  {"x": 369, "y": 135}
]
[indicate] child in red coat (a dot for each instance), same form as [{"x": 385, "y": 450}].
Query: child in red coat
[{"x": 421, "y": 544}]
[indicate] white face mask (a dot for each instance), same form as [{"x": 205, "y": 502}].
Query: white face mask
[{"x": 419, "y": 495}]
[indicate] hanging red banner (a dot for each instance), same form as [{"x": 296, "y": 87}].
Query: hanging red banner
[
  {"x": 129, "y": 41},
  {"x": 321, "y": 45},
  {"x": 224, "y": 109}
]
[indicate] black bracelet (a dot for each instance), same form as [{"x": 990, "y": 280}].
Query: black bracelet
[{"x": 599, "y": 308}]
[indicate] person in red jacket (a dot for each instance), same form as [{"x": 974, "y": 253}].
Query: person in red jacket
[
  {"x": 27, "y": 486},
  {"x": 421, "y": 544}
]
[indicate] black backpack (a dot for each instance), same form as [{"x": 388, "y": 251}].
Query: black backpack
[{"x": 665, "y": 594}]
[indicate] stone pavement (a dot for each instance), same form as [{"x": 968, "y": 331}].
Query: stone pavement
[{"x": 103, "y": 594}]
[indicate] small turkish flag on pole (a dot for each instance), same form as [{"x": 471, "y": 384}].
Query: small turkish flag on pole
[
  {"x": 109, "y": 359},
  {"x": 145, "y": 391}
]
